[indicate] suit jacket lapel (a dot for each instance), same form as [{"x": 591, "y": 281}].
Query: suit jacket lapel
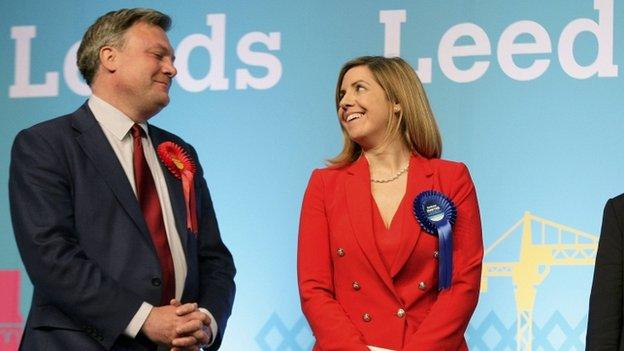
[
  {"x": 93, "y": 142},
  {"x": 174, "y": 185},
  {"x": 419, "y": 180},
  {"x": 360, "y": 214}
]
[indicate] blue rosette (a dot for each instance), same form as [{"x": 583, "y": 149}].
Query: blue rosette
[{"x": 436, "y": 214}]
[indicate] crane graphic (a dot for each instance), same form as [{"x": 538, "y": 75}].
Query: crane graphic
[{"x": 543, "y": 244}]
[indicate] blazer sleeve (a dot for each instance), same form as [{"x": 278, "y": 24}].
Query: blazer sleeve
[
  {"x": 41, "y": 196},
  {"x": 604, "y": 327},
  {"x": 216, "y": 265},
  {"x": 444, "y": 326},
  {"x": 331, "y": 326}
]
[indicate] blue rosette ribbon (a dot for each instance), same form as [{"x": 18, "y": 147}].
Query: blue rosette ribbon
[{"x": 436, "y": 214}]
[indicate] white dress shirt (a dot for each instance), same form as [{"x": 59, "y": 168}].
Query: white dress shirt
[{"x": 116, "y": 126}]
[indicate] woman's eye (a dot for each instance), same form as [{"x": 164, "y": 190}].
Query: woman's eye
[{"x": 359, "y": 88}]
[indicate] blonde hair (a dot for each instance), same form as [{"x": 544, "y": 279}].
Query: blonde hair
[
  {"x": 109, "y": 29},
  {"x": 414, "y": 122}
]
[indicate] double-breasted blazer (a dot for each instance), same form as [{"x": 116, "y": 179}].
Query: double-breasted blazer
[
  {"x": 350, "y": 298},
  {"x": 85, "y": 243}
]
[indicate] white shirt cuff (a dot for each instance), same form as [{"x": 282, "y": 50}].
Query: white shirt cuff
[
  {"x": 137, "y": 321},
  {"x": 214, "y": 328}
]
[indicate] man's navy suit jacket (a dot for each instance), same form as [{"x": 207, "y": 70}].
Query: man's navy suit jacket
[
  {"x": 605, "y": 321},
  {"x": 86, "y": 246}
]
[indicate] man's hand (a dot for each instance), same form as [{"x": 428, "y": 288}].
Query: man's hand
[
  {"x": 194, "y": 331},
  {"x": 160, "y": 325},
  {"x": 176, "y": 322}
]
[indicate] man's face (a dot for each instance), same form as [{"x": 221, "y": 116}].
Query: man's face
[{"x": 145, "y": 69}]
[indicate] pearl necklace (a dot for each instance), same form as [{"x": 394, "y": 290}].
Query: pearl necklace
[{"x": 395, "y": 177}]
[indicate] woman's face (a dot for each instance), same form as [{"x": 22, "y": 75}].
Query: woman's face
[{"x": 364, "y": 109}]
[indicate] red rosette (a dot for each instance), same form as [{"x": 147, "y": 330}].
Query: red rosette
[{"x": 180, "y": 164}]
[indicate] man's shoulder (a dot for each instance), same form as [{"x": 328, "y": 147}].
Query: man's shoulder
[
  {"x": 618, "y": 203},
  {"x": 55, "y": 126},
  {"x": 162, "y": 135}
]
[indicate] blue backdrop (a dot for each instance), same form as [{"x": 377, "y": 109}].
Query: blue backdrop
[{"x": 528, "y": 94}]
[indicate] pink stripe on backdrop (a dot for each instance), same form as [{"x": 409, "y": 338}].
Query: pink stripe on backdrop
[{"x": 10, "y": 318}]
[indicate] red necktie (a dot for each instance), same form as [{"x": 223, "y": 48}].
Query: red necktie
[{"x": 150, "y": 206}]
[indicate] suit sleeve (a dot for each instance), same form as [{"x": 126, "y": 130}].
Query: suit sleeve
[
  {"x": 331, "y": 326},
  {"x": 604, "y": 328},
  {"x": 216, "y": 265},
  {"x": 444, "y": 326},
  {"x": 40, "y": 193}
]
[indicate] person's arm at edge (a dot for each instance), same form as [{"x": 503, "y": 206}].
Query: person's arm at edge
[{"x": 604, "y": 322}]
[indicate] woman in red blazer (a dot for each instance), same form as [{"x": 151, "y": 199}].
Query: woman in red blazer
[{"x": 368, "y": 272}]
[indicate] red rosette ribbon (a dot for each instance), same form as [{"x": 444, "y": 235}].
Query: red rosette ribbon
[{"x": 182, "y": 167}]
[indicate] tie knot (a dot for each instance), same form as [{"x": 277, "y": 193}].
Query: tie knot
[{"x": 137, "y": 131}]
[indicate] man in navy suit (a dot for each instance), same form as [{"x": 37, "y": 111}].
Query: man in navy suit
[{"x": 123, "y": 252}]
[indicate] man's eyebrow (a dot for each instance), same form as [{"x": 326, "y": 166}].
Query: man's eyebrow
[
  {"x": 162, "y": 47},
  {"x": 167, "y": 49}
]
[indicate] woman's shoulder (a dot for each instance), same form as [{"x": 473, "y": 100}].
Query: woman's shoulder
[
  {"x": 449, "y": 170},
  {"x": 446, "y": 166},
  {"x": 332, "y": 169},
  {"x": 445, "y": 163},
  {"x": 330, "y": 177},
  {"x": 328, "y": 172}
]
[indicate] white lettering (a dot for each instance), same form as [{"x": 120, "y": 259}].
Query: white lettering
[
  {"x": 447, "y": 51},
  {"x": 392, "y": 20},
  {"x": 424, "y": 70},
  {"x": 603, "y": 31},
  {"x": 215, "y": 79},
  {"x": 72, "y": 75},
  {"x": 507, "y": 48},
  {"x": 273, "y": 65},
  {"x": 22, "y": 88}
]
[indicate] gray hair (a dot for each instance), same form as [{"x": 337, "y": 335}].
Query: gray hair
[{"x": 109, "y": 29}]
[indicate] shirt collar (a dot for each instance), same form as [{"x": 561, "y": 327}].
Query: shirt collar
[{"x": 111, "y": 119}]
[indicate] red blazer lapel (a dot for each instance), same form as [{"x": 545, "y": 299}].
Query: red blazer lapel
[
  {"x": 419, "y": 180},
  {"x": 360, "y": 215}
]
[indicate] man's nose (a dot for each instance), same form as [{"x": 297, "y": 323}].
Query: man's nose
[{"x": 169, "y": 69}]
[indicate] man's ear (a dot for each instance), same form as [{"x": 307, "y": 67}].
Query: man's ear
[{"x": 109, "y": 58}]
